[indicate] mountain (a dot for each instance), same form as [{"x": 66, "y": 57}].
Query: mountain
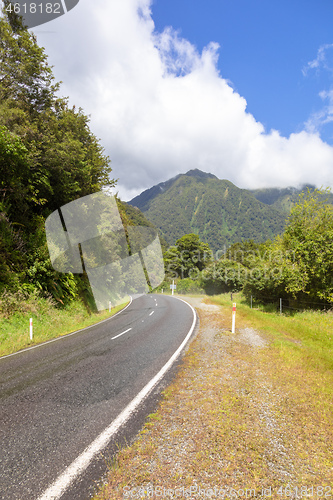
[
  {"x": 280, "y": 198},
  {"x": 217, "y": 210}
]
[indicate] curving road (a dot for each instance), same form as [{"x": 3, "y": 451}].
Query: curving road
[{"x": 57, "y": 398}]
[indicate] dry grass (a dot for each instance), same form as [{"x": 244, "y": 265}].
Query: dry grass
[{"x": 237, "y": 421}]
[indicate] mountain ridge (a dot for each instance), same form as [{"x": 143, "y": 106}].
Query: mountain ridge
[
  {"x": 140, "y": 201},
  {"x": 220, "y": 212}
]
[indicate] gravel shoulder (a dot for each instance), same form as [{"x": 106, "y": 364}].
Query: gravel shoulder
[{"x": 235, "y": 423}]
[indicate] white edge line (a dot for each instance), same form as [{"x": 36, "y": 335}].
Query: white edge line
[
  {"x": 79, "y": 465},
  {"x": 67, "y": 334},
  {"x": 112, "y": 338}
]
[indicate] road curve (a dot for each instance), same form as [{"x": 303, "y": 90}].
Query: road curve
[{"x": 55, "y": 400}]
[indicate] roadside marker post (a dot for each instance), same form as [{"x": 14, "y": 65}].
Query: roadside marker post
[
  {"x": 109, "y": 306},
  {"x": 233, "y": 317},
  {"x": 173, "y": 287},
  {"x": 30, "y": 328}
]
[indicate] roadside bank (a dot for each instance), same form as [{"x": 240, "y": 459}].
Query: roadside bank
[{"x": 239, "y": 421}]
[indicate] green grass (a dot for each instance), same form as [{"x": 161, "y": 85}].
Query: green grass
[
  {"x": 303, "y": 337},
  {"x": 49, "y": 322}
]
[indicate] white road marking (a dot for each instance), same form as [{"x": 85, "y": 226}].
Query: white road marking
[
  {"x": 119, "y": 335},
  {"x": 151, "y": 313},
  {"x": 55, "y": 491},
  {"x": 68, "y": 334}
]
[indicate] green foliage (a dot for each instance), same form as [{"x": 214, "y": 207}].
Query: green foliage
[
  {"x": 300, "y": 263},
  {"x": 22, "y": 301},
  {"x": 223, "y": 276},
  {"x": 188, "y": 258},
  {"x": 265, "y": 280},
  {"x": 26, "y": 79},
  {"x": 247, "y": 252},
  {"x": 309, "y": 239},
  {"x": 187, "y": 285},
  {"x": 219, "y": 212},
  {"x": 296, "y": 266},
  {"x": 71, "y": 156},
  {"x": 48, "y": 157}
]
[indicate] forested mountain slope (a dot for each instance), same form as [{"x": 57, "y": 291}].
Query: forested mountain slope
[{"x": 218, "y": 211}]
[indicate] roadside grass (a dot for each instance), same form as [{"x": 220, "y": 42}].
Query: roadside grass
[
  {"x": 49, "y": 322},
  {"x": 304, "y": 338},
  {"x": 248, "y": 421}
]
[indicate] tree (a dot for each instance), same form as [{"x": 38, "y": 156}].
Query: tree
[
  {"x": 65, "y": 160},
  {"x": 223, "y": 276},
  {"x": 26, "y": 80},
  {"x": 299, "y": 264},
  {"x": 308, "y": 247},
  {"x": 188, "y": 257},
  {"x": 48, "y": 157},
  {"x": 70, "y": 155}
]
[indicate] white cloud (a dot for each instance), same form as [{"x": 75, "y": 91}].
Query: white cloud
[
  {"x": 324, "y": 116},
  {"x": 161, "y": 108},
  {"x": 322, "y": 64},
  {"x": 322, "y": 61}
]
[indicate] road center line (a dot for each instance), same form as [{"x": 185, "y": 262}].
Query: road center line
[
  {"x": 112, "y": 338},
  {"x": 151, "y": 313},
  {"x": 80, "y": 464}
]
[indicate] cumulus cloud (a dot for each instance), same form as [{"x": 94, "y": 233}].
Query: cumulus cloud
[{"x": 161, "y": 108}]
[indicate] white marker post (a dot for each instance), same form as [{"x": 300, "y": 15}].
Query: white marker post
[
  {"x": 173, "y": 287},
  {"x": 233, "y": 317},
  {"x": 31, "y": 329},
  {"x": 109, "y": 306}
]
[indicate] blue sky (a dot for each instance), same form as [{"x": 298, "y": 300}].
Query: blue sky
[
  {"x": 239, "y": 88},
  {"x": 264, "y": 48}
]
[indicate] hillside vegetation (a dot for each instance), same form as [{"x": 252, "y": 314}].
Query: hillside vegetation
[
  {"x": 295, "y": 268},
  {"x": 217, "y": 210},
  {"x": 48, "y": 158}
]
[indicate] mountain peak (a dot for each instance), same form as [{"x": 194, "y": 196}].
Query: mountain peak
[
  {"x": 195, "y": 172},
  {"x": 143, "y": 200}
]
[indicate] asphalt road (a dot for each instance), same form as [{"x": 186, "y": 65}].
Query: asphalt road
[{"x": 56, "y": 399}]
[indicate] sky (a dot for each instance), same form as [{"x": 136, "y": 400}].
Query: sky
[{"x": 239, "y": 88}]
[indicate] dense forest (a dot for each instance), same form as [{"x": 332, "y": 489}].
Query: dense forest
[
  {"x": 48, "y": 157},
  {"x": 295, "y": 266},
  {"x": 217, "y": 210}
]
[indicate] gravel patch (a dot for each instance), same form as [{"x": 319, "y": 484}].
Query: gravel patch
[
  {"x": 252, "y": 338},
  {"x": 225, "y": 422}
]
